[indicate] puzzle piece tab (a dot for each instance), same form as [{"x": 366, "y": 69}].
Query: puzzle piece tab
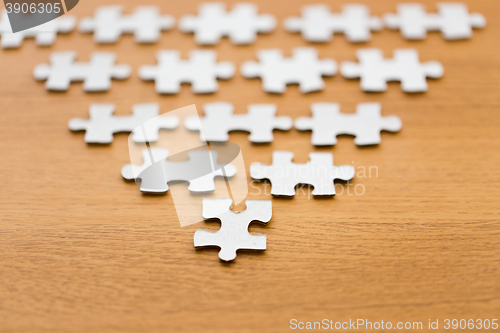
[
  {"x": 452, "y": 19},
  {"x": 102, "y": 124},
  {"x": 241, "y": 24},
  {"x": 201, "y": 70},
  {"x": 318, "y": 24},
  {"x": 156, "y": 172},
  {"x": 302, "y": 68},
  {"x": 375, "y": 71},
  {"x": 219, "y": 119},
  {"x": 233, "y": 234},
  {"x": 96, "y": 74},
  {"x": 327, "y": 122},
  {"x": 109, "y": 24},
  {"x": 284, "y": 175}
]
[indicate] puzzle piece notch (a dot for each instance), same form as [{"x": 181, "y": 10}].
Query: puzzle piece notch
[
  {"x": 233, "y": 234},
  {"x": 366, "y": 124},
  {"x": 96, "y": 74},
  {"x": 109, "y": 23},
  {"x": 201, "y": 70},
  {"x": 102, "y": 124},
  {"x": 452, "y": 19},
  {"x": 284, "y": 175},
  {"x": 318, "y": 24},
  {"x": 241, "y": 24},
  {"x": 405, "y": 66},
  {"x": 220, "y": 119},
  {"x": 303, "y": 68},
  {"x": 156, "y": 171},
  {"x": 44, "y": 34}
]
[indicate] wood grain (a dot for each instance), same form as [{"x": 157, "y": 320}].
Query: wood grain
[{"x": 83, "y": 251}]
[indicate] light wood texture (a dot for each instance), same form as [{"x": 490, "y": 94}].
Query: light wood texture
[{"x": 83, "y": 251}]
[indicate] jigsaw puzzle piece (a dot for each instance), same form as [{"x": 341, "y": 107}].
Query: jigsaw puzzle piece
[
  {"x": 156, "y": 172},
  {"x": 318, "y": 24},
  {"x": 241, "y": 25},
  {"x": 201, "y": 70},
  {"x": 375, "y": 71},
  {"x": 45, "y": 34},
  {"x": 452, "y": 19},
  {"x": 220, "y": 119},
  {"x": 109, "y": 23},
  {"x": 233, "y": 234},
  {"x": 96, "y": 74},
  {"x": 303, "y": 68},
  {"x": 327, "y": 122},
  {"x": 102, "y": 124},
  {"x": 284, "y": 175}
]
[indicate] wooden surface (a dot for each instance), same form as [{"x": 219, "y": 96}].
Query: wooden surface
[{"x": 83, "y": 251}]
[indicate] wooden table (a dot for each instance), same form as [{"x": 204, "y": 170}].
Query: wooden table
[{"x": 83, "y": 251}]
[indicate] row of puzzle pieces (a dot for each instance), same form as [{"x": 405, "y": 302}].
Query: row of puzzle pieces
[
  {"x": 276, "y": 71},
  {"x": 156, "y": 172},
  {"x": 243, "y": 22},
  {"x": 326, "y": 123}
]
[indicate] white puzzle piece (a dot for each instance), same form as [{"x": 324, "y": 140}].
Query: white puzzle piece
[
  {"x": 220, "y": 119},
  {"x": 96, "y": 74},
  {"x": 201, "y": 70},
  {"x": 109, "y": 23},
  {"x": 284, "y": 175},
  {"x": 156, "y": 172},
  {"x": 303, "y": 68},
  {"x": 241, "y": 24},
  {"x": 375, "y": 71},
  {"x": 233, "y": 234},
  {"x": 366, "y": 124},
  {"x": 44, "y": 34},
  {"x": 318, "y": 24},
  {"x": 453, "y": 20},
  {"x": 102, "y": 124}
]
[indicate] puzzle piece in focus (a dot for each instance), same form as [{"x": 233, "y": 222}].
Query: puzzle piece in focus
[
  {"x": 303, "y": 68},
  {"x": 96, "y": 74},
  {"x": 318, "y": 24},
  {"x": 102, "y": 124},
  {"x": 201, "y": 70},
  {"x": 241, "y": 24},
  {"x": 45, "y": 34},
  {"x": 284, "y": 175},
  {"x": 452, "y": 19},
  {"x": 233, "y": 234},
  {"x": 109, "y": 24},
  {"x": 375, "y": 71},
  {"x": 327, "y": 122},
  {"x": 219, "y": 119},
  {"x": 156, "y": 171}
]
